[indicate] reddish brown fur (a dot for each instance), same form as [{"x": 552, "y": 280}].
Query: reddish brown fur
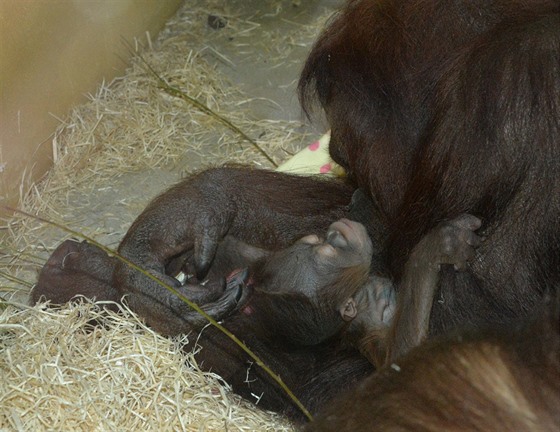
[{"x": 439, "y": 108}]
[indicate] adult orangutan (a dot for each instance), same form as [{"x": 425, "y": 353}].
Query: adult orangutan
[
  {"x": 437, "y": 108},
  {"x": 306, "y": 310}
]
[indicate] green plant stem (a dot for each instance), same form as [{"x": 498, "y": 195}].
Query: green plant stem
[{"x": 175, "y": 92}]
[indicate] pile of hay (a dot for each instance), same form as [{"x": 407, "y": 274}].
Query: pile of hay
[
  {"x": 130, "y": 141},
  {"x": 60, "y": 372}
]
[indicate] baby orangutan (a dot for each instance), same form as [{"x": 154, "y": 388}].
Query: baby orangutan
[{"x": 305, "y": 293}]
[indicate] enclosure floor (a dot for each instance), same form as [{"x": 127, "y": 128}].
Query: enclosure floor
[
  {"x": 254, "y": 71},
  {"x": 270, "y": 83}
]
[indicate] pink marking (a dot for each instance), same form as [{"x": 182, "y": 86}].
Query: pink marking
[
  {"x": 314, "y": 146},
  {"x": 247, "y": 310},
  {"x": 232, "y": 274},
  {"x": 325, "y": 168}
]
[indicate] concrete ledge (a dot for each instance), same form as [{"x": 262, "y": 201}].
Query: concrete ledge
[{"x": 52, "y": 53}]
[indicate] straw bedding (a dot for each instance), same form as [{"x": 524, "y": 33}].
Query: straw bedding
[
  {"x": 112, "y": 155},
  {"x": 61, "y": 372}
]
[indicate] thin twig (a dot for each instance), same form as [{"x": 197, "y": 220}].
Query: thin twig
[
  {"x": 15, "y": 279},
  {"x": 178, "y": 93}
]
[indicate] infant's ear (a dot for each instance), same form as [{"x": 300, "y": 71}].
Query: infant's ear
[{"x": 349, "y": 310}]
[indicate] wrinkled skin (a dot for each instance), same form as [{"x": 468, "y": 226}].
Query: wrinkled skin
[
  {"x": 318, "y": 367},
  {"x": 164, "y": 232}
]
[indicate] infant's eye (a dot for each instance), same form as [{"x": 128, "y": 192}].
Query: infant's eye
[{"x": 336, "y": 239}]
